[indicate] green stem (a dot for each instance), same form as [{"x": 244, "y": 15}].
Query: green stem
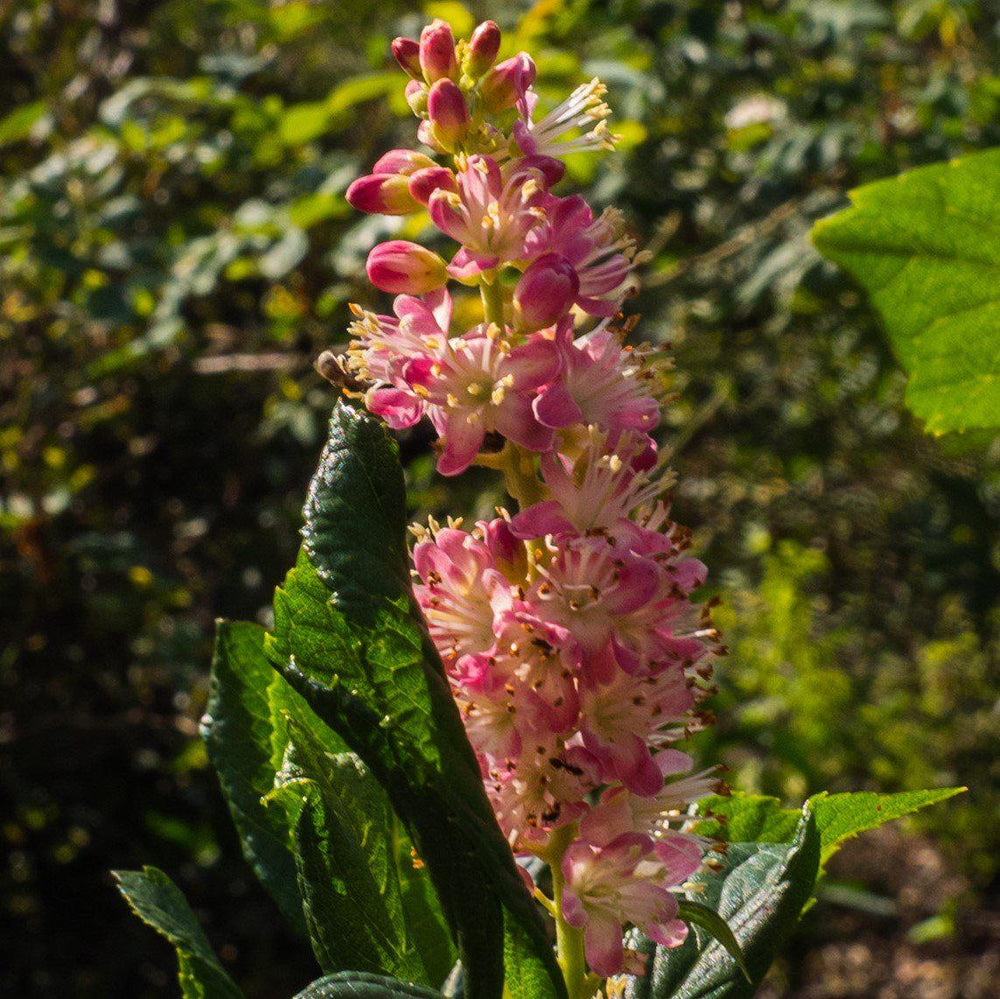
[
  {"x": 491, "y": 292},
  {"x": 569, "y": 939}
]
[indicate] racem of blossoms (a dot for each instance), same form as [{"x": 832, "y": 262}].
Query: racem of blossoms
[{"x": 566, "y": 626}]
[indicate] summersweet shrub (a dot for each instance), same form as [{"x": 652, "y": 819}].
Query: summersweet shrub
[{"x": 456, "y": 767}]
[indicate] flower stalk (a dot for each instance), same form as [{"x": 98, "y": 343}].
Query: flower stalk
[{"x": 566, "y": 625}]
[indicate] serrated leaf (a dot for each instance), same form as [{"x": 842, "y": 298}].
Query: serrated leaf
[
  {"x": 758, "y": 818},
  {"x": 840, "y": 817},
  {"x": 926, "y": 247},
  {"x": 353, "y": 985},
  {"x": 758, "y": 891},
  {"x": 245, "y": 728},
  {"x": 159, "y": 903},
  {"x": 345, "y": 862},
  {"x": 350, "y": 639}
]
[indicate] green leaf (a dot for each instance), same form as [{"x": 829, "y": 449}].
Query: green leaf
[
  {"x": 926, "y": 247},
  {"x": 349, "y": 637},
  {"x": 840, "y": 817},
  {"x": 346, "y": 864},
  {"x": 696, "y": 914},
  {"x": 245, "y": 730},
  {"x": 355, "y": 985},
  {"x": 758, "y": 891},
  {"x": 159, "y": 903},
  {"x": 759, "y": 818}
]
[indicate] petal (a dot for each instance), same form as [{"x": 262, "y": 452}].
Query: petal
[
  {"x": 541, "y": 519},
  {"x": 461, "y": 444},
  {"x": 602, "y": 941},
  {"x": 556, "y": 408}
]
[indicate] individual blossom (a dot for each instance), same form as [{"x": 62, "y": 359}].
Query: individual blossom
[
  {"x": 601, "y": 383},
  {"x": 492, "y": 214},
  {"x": 599, "y": 249},
  {"x": 624, "y": 882}
]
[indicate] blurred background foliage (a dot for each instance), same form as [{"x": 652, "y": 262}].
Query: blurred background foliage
[{"x": 175, "y": 249}]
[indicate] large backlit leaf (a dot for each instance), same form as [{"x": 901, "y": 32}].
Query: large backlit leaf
[{"x": 926, "y": 247}]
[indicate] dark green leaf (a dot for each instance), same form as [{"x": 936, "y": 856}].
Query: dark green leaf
[
  {"x": 759, "y": 891},
  {"x": 346, "y": 862},
  {"x": 926, "y": 247},
  {"x": 158, "y": 902},
  {"x": 696, "y": 914},
  {"x": 349, "y": 638},
  {"x": 245, "y": 731},
  {"x": 356, "y": 985}
]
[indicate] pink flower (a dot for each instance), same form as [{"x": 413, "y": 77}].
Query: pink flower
[
  {"x": 491, "y": 215},
  {"x": 589, "y": 590},
  {"x": 543, "y": 790},
  {"x": 383, "y": 347},
  {"x": 545, "y": 293},
  {"x": 600, "y": 383},
  {"x": 597, "y": 492},
  {"x": 598, "y": 249},
  {"x": 459, "y": 589},
  {"x": 623, "y": 721},
  {"x": 622, "y": 882},
  {"x": 482, "y": 386},
  {"x": 620, "y": 811},
  {"x": 404, "y": 268}
]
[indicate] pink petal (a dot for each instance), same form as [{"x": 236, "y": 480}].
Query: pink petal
[{"x": 556, "y": 408}]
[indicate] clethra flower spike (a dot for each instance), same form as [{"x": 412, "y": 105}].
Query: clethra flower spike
[{"x": 567, "y": 629}]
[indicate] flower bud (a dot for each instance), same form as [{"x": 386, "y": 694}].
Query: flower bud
[
  {"x": 483, "y": 48},
  {"x": 448, "y": 113},
  {"x": 404, "y": 161},
  {"x": 437, "y": 52},
  {"x": 508, "y": 81},
  {"x": 424, "y": 183},
  {"x": 382, "y": 194},
  {"x": 416, "y": 97},
  {"x": 403, "y": 268},
  {"x": 546, "y": 292},
  {"x": 407, "y": 53}
]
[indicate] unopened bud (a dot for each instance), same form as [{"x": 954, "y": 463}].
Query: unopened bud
[
  {"x": 483, "y": 48},
  {"x": 404, "y": 161},
  {"x": 545, "y": 292},
  {"x": 407, "y": 53},
  {"x": 403, "y": 268},
  {"x": 382, "y": 194},
  {"x": 448, "y": 113},
  {"x": 416, "y": 97},
  {"x": 424, "y": 183},
  {"x": 437, "y": 52},
  {"x": 507, "y": 82}
]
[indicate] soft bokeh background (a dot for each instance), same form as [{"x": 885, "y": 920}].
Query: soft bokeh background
[{"x": 175, "y": 250}]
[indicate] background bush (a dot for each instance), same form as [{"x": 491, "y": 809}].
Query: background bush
[{"x": 175, "y": 249}]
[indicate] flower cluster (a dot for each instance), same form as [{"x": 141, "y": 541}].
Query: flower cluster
[{"x": 567, "y": 629}]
